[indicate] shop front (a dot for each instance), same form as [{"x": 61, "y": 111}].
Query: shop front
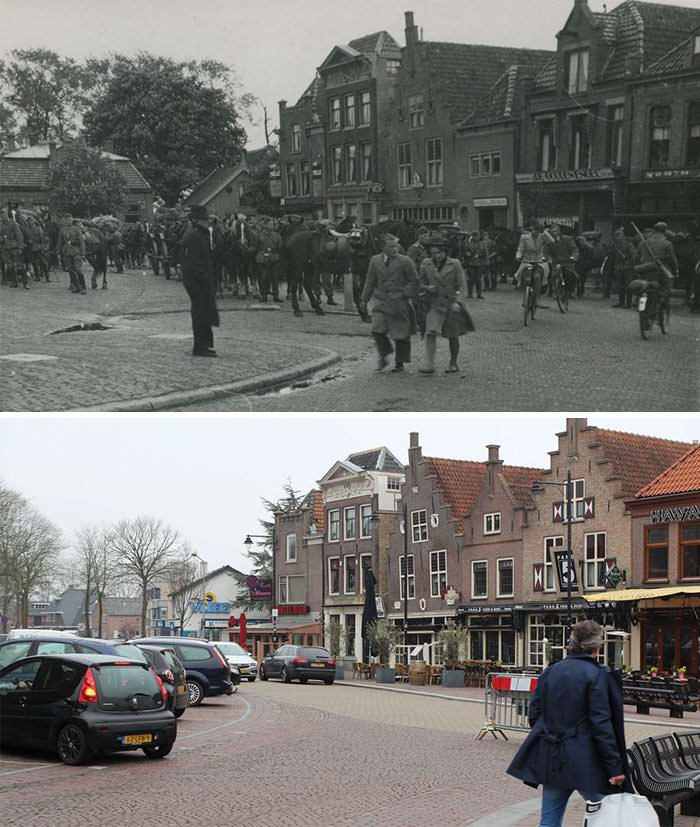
[
  {"x": 492, "y": 635},
  {"x": 670, "y": 195},
  {"x": 544, "y": 633}
]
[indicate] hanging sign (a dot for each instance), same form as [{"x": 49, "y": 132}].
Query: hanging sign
[{"x": 567, "y": 573}]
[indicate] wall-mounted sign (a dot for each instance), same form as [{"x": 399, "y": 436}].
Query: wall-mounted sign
[
  {"x": 379, "y": 602},
  {"x": 202, "y": 606},
  {"x": 675, "y": 515},
  {"x": 215, "y": 624},
  {"x": 483, "y": 610},
  {"x": 665, "y": 174},
  {"x": 259, "y": 589},
  {"x": 555, "y": 175},
  {"x": 490, "y": 202},
  {"x": 293, "y": 609},
  {"x": 566, "y": 572}
]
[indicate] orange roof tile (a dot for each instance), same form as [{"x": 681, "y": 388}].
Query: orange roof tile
[
  {"x": 682, "y": 477},
  {"x": 319, "y": 512},
  {"x": 638, "y": 459},
  {"x": 520, "y": 479}
]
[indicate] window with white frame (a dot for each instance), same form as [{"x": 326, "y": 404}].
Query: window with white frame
[
  {"x": 305, "y": 178},
  {"x": 365, "y": 109},
  {"x": 419, "y": 525},
  {"x": 296, "y": 137},
  {"x": 349, "y": 111},
  {"x": 365, "y": 563},
  {"x": 334, "y": 524},
  {"x": 405, "y": 166},
  {"x": 492, "y": 523},
  {"x": 546, "y": 145},
  {"x": 336, "y": 164},
  {"x": 291, "y": 548},
  {"x": 550, "y": 544},
  {"x": 594, "y": 545},
  {"x": 416, "y": 112},
  {"x": 292, "y": 588},
  {"x": 335, "y": 113},
  {"x": 350, "y": 163},
  {"x": 366, "y": 162},
  {"x": 349, "y": 573},
  {"x": 433, "y": 157},
  {"x": 349, "y": 520},
  {"x": 291, "y": 179},
  {"x": 409, "y": 575},
  {"x": 334, "y": 575},
  {"x": 393, "y": 66},
  {"x": 488, "y": 163},
  {"x": 479, "y": 578},
  {"x": 438, "y": 573},
  {"x": 577, "y": 71},
  {"x": 504, "y": 583},
  {"x": 393, "y": 484},
  {"x": 366, "y": 520}
]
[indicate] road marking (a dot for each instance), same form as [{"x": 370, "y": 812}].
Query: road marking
[
  {"x": 28, "y": 357},
  {"x": 219, "y": 726},
  {"x": 31, "y": 769}
]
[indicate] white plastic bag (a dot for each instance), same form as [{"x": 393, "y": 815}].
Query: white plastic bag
[{"x": 620, "y": 810}]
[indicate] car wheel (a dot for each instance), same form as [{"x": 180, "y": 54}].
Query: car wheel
[
  {"x": 196, "y": 692},
  {"x": 251, "y": 680},
  {"x": 72, "y": 746},
  {"x": 263, "y": 676},
  {"x": 328, "y": 681},
  {"x": 303, "y": 680},
  {"x": 157, "y": 750},
  {"x": 285, "y": 675},
  {"x": 178, "y": 713}
]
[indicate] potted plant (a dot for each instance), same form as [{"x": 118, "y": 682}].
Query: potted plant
[
  {"x": 384, "y": 637},
  {"x": 452, "y": 638},
  {"x": 336, "y": 633},
  {"x": 679, "y": 673}
]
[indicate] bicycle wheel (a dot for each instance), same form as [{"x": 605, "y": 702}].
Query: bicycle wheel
[
  {"x": 533, "y": 303},
  {"x": 527, "y": 292},
  {"x": 560, "y": 292}
]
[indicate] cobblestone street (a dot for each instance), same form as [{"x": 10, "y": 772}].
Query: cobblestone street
[
  {"x": 592, "y": 358},
  {"x": 346, "y": 756}
]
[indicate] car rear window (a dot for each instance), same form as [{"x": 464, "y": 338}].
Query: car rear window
[
  {"x": 127, "y": 687},
  {"x": 128, "y": 650},
  {"x": 11, "y": 652},
  {"x": 231, "y": 649},
  {"x": 313, "y": 652},
  {"x": 195, "y": 652}
]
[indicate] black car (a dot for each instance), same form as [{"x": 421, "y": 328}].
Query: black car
[
  {"x": 79, "y": 705},
  {"x": 38, "y": 644},
  {"x": 208, "y": 673},
  {"x": 302, "y": 662},
  {"x": 170, "y": 670}
]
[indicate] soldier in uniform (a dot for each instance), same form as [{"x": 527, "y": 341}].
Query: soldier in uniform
[
  {"x": 623, "y": 254},
  {"x": 12, "y": 250},
  {"x": 198, "y": 279},
  {"x": 392, "y": 279},
  {"x": 477, "y": 259},
  {"x": 442, "y": 280},
  {"x": 72, "y": 247},
  {"x": 562, "y": 250},
  {"x": 267, "y": 258},
  {"x": 417, "y": 251},
  {"x": 654, "y": 250}
]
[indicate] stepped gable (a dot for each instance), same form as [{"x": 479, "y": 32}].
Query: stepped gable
[
  {"x": 682, "y": 477},
  {"x": 638, "y": 459}
]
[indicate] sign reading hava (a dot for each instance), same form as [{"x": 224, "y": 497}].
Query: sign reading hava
[{"x": 675, "y": 515}]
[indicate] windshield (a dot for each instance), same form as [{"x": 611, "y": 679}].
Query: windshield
[
  {"x": 231, "y": 649},
  {"x": 314, "y": 652},
  {"x": 128, "y": 650},
  {"x": 127, "y": 687}
]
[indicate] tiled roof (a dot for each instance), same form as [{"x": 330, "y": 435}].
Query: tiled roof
[
  {"x": 520, "y": 479},
  {"x": 122, "y": 605},
  {"x": 505, "y": 99},
  {"x": 638, "y": 459},
  {"x": 673, "y": 61},
  {"x": 376, "y": 43},
  {"x": 376, "y": 459},
  {"x": 460, "y": 481},
  {"x": 319, "y": 512},
  {"x": 213, "y": 183},
  {"x": 546, "y": 79},
  {"x": 683, "y": 477},
  {"x": 463, "y": 74}
]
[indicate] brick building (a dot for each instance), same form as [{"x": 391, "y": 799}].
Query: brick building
[
  {"x": 220, "y": 192},
  {"x": 121, "y": 617},
  {"x": 606, "y": 467},
  {"x": 666, "y": 555}
]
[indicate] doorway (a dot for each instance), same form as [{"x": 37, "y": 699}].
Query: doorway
[{"x": 666, "y": 647}]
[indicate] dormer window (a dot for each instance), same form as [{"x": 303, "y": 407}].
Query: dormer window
[
  {"x": 696, "y": 45},
  {"x": 577, "y": 71}
]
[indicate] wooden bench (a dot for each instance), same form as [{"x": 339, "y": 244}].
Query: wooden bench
[
  {"x": 645, "y": 694},
  {"x": 660, "y": 773}
]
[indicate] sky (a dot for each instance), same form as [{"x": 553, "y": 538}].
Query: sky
[
  {"x": 274, "y": 45},
  {"x": 205, "y": 475}
]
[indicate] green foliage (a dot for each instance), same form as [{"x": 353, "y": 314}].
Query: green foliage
[
  {"x": 257, "y": 189},
  {"x": 176, "y": 121},
  {"x": 84, "y": 183},
  {"x": 452, "y": 638},
  {"x": 335, "y": 636},
  {"x": 384, "y": 637}
]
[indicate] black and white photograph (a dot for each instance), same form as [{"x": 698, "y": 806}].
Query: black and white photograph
[{"x": 295, "y": 206}]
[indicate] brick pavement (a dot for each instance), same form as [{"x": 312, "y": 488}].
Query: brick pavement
[{"x": 306, "y": 755}]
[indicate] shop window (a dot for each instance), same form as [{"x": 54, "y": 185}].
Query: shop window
[
  {"x": 405, "y": 166},
  {"x": 550, "y": 544},
  {"x": 479, "y": 578},
  {"x": 438, "y": 573},
  {"x": 577, "y": 71},
  {"x": 656, "y": 552},
  {"x": 690, "y": 551},
  {"x": 433, "y": 155},
  {"x": 334, "y": 524},
  {"x": 595, "y": 559},
  {"x": 616, "y": 116},
  {"x": 416, "y": 112},
  {"x": 349, "y": 568},
  {"x": 419, "y": 525},
  {"x": 551, "y": 628},
  {"x": 492, "y": 523},
  {"x": 693, "y": 148},
  {"x": 409, "y": 575},
  {"x": 660, "y": 137},
  {"x": 505, "y": 577},
  {"x": 547, "y": 153},
  {"x": 334, "y": 575}
]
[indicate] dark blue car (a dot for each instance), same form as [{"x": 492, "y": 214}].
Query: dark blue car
[{"x": 12, "y": 650}]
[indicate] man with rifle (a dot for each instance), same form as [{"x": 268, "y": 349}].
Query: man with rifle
[{"x": 656, "y": 258}]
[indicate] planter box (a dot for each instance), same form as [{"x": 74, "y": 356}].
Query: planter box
[
  {"x": 339, "y": 671},
  {"x": 385, "y": 674},
  {"x": 453, "y": 677}
]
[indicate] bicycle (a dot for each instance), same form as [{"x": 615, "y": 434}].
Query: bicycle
[
  {"x": 529, "y": 293},
  {"x": 653, "y": 307},
  {"x": 564, "y": 285}
]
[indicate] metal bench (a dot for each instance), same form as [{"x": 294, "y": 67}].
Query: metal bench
[
  {"x": 661, "y": 696},
  {"x": 689, "y": 742},
  {"x": 659, "y": 774}
]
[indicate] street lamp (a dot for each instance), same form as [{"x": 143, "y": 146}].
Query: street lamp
[
  {"x": 248, "y": 542},
  {"x": 568, "y": 486},
  {"x": 405, "y": 583}
]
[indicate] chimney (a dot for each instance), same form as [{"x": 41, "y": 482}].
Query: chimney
[
  {"x": 415, "y": 455},
  {"x": 493, "y": 465},
  {"x": 573, "y": 426},
  {"x": 411, "y": 29}
]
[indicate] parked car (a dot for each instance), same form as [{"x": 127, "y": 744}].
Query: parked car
[
  {"x": 80, "y": 705},
  {"x": 207, "y": 671},
  {"x": 41, "y": 644},
  {"x": 237, "y": 656},
  {"x": 171, "y": 671},
  {"x": 302, "y": 662}
]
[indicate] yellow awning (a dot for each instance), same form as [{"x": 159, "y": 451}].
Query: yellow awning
[{"x": 627, "y": 595}]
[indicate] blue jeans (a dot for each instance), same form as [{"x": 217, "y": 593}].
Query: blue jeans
[{"x": 554, "y": 801}]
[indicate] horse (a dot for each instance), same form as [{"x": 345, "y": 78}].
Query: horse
[{"x": 96, "y": 253}]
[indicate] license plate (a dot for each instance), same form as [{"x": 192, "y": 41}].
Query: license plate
[
  {"x": 180, "y": 690},
  {"x": 318, "y": 664},
  {"x": 244, "y": 671},
  {"x": 642, "y": 304},
  {"x": 136, "y": 739}
]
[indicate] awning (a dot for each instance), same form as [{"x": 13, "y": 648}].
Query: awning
[{"x": 628, "y": 595}]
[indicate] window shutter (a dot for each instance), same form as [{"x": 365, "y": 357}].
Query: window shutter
[{"x": 558, "y": 512}]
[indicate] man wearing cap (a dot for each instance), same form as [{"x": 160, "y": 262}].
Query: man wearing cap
[
  {"x": 267, "y": 258},
  {"x": 198, "y": 278},
  {"x": 72, "y": 246},
  {"x": 623, "y": 253},
  {"x": 11, "y": 250},
  {"x": 477, "y": 258},
  {"x": 655, "y": 249},
  {"x": 393, "y": 281},
  {"x": 442, "y": 281},
  {"x": 564, "y": 252},
  {"x": 417, "y": 252}
]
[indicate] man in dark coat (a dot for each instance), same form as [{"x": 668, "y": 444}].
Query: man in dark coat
[
  {"x": 198, "y": 278},
  {"x": 577, "y": 736},
  {"x": 393, "y": 281}
]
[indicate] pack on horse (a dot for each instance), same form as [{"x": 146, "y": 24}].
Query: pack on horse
[{"x": 96, "y": 253}]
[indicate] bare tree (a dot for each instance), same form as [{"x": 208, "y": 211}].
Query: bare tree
[
  {"x": 95, "y": 566},
  {"x": 105, "y": 572},
  {"x": 145, "y": 547},
  {"x": 184, "y": 584}
]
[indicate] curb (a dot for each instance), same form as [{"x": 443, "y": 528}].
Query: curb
[{"x": 179, "y": 398}]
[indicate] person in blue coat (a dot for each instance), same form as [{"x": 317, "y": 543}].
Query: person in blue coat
[{"x": 577, "y": 736}]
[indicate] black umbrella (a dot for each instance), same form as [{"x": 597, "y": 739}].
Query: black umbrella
[{"x": 369, "y": 612}]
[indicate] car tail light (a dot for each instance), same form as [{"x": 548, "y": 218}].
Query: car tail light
[
  {"x": 221, "y": 657},
  {"x": 169, "y": 676},
  {"x": 163, "y": 690},
  {"x": 331, "y": 661},
  {"x": 88, "y": 688},
  {"x": 300, "y": 660}
]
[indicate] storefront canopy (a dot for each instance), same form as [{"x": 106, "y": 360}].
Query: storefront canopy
[{"x": 628, "y": 595}]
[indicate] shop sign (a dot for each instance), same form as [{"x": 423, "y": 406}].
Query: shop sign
[
  {"x": 555, "y": 175},
  {"x": 566, "y": 569},
  {"x": 293, "y": 609},
  {"x": 675, "y": 515},
  {"x": 656, "y": 174},
  {"x": 576, "y": 605},
  {"x": 259, "y": 589},
  {"x": 478, "y": 610},
  {"x": 490, "y": 202},
  {"x": 205, "y": 606},
  {"x": 379, "y": 603},
  {"x": 215, "y": 624}
]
